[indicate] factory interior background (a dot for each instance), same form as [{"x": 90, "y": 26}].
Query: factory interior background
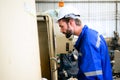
[{"x": 31, "y": 42}]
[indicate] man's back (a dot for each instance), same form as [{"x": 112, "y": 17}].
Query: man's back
[{"x": 94, "y": 62}]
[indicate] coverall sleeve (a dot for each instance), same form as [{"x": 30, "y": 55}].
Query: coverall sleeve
[{"x": 90, "y": 61}]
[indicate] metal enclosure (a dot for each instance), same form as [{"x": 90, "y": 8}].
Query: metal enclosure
[
  {"x": 117, "y": 61},
  {"x": 47, "y": 48}
]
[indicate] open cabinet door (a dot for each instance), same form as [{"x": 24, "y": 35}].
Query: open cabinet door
[{"x": 47, "y": 47}]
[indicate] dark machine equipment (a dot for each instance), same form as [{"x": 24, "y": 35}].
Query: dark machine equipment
[
  {"x": 115, "y": 42},
  {"x": 114, "y": 49}
]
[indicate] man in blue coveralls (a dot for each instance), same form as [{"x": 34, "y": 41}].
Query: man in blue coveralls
[{"x": 94, "y": 60}]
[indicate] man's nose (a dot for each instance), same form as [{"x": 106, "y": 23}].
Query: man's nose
[{"x": 62, "y": 31}]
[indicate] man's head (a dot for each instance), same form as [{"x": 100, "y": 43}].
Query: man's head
[{"x": 68, "y": 19}]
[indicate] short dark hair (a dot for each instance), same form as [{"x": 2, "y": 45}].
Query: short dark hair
[
  {"x": 77, "y": 21},
  {"x": 65, "y": 19}
]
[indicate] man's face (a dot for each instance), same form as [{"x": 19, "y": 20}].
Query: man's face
[{"x": 65, "y": 28}]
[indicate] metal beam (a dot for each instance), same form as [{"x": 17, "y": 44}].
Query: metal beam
[
  {"x": 37, "y": 1},
  {"x": 116, "y": 17}
]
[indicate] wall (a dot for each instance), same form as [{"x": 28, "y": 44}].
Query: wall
[
  {"x": 19, "y": 51},
  {"x": 100, "y": 13}
]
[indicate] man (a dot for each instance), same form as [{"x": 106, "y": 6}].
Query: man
[{"x": 94, "y": 61}]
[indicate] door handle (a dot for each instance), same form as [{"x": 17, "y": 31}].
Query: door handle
[{"x": 54, "y": 59}]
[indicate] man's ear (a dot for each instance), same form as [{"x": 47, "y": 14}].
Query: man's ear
[{"x": 70, "y": 23}]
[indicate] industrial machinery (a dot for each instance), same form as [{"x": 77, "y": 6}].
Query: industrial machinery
[
  {"x": 114, "y": 50},
  {"x": 47, "y": 46},
  {"x": 115, "y": 42},
  {"x": 55, "y": 49}
]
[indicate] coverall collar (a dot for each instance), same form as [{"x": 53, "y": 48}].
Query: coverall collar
[{"x": 77, "y": 44}]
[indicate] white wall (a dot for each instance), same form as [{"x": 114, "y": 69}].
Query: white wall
[
  {"x": 19, "y": 51},
  {"x": 102, "y": 15}
]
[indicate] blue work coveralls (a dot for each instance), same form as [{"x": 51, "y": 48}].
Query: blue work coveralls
[{"x": 94, "y": 59}]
